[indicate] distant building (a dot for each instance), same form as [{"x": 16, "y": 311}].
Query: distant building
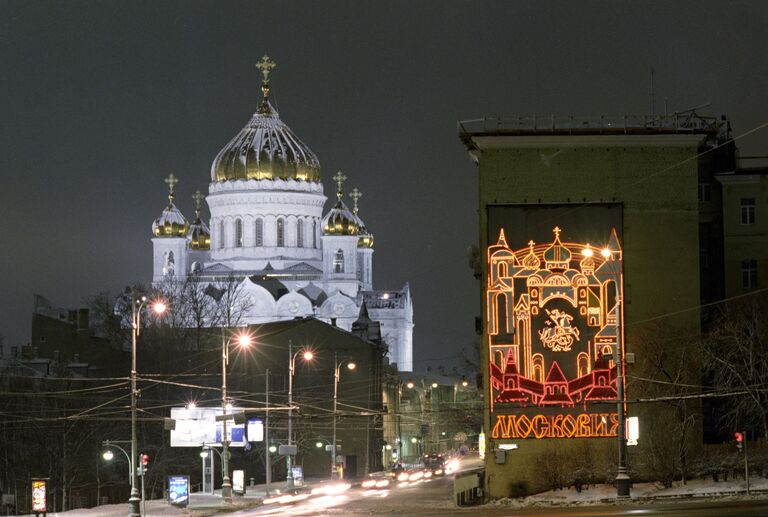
[{"x": 745, "y": 219}]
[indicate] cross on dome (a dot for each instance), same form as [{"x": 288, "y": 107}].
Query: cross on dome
[
  {"x": 171, "y": 181},
  {"x": 355, "y": 195},
  {"x": 266, "y": 65},
  {"x": 557, "y": 231},
  {"x": 339, "y": 178},
  {"x": 198, "y": 197}
]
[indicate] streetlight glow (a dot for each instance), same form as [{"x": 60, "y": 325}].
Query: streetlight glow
[
  {"x": 229, "y": 406},
  {"x": 434, "y": 385},
  {"x": 351, "y": 366},
  {"x": 192, "y": 405},
  {"x": 244, "y": 340},
  {"x": 159, "y": 307},
  {"x": 606, "y": 253},
  {"x": 318, "y": 444},
  {"x": 203, "y": 454},
  {"x": 272, "y": 449},
  {"x": 464, "y": 383},
  {"x": 308, "y": 356},
  {"x": 409, "y": 385},
  {"x": 414, "y": 440},
  {"x": 108, "y": 455}
]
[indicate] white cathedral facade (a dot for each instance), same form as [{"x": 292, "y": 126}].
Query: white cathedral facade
[{"x": 269, "y": 238}]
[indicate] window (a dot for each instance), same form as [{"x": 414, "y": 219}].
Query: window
[
  {"x": 221, "y": 234},
  {"x": 238, "y": 233},
  {"x": 280, "y": 233},
  {"x": 314, "y": 234},
  {"x": 705, "y": 192},
  {"x": 538, "y": 367},
  {"x": 259, "y": 231},
  {"x": 748, "y": 274},
  {"x": 748, "y": 210},
  {"x": 300, "y": 233},
  {"x": 338, "y": 262}
]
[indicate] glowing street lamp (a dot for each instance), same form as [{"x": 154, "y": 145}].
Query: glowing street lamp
[
  {"x": 159, "y": 307},
  {"x": 336, "y": 374},
  {"x": 243, "y": 339},
  {"x": 307, "y": 355},
  {"x": 409, "y": 385},
  {"x": 108, "y": 455}
]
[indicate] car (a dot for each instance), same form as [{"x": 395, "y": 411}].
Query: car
[{"x": 435, "y": 464}]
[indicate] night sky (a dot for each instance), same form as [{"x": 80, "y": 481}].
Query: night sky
[{"x": 99, "y": 101}]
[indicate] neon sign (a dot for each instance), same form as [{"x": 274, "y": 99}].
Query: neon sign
[
  {"x": 552, "y": 328},
  {"x": 584, "y": 425}
]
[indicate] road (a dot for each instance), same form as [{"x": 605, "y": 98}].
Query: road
[{"x": 433, "y": 497}]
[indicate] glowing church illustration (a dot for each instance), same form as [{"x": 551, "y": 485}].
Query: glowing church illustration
[{"x": 553, "y": 322}]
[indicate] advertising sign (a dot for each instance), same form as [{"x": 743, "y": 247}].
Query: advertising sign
[
  {"x": 178, "y": 490},
  {"x": 298, "y": 475},
  {"x": 553, "y": 326},
  {"x": 39, "y": 496},
  {"x": 255, "y": 430},
  {"x": 238, "y": 482},
  {"x": 198, "y": 426}
]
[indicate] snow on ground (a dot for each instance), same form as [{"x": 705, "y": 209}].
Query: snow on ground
[{"x": 600, "y": 494}]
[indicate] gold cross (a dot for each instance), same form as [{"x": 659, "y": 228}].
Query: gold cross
[
  {"x": 171, "y": 181},
  {"x": 198, "y": 197},
  {"x": 339, "y": 178},
  {"x": 557, "y": 231},
  {"x": 355, "y": 195},
  {"x": 266, "y": 65}
]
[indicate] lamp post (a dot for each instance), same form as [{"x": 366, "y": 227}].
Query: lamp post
[
  {"x": 307, "y": 355},
  {"x": 244, "y": 341},
  {"x": 137, "y": 305},
  {"x": 336, "y": 374},
  {"x": 622, "y": 477}
]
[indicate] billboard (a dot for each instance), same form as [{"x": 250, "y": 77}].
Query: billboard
[
  {"x": 178, "y": 490},
  {"x": 39, "y": 496},
  {"x": 553, "y": 323},
  {"x": 198, "y": 426}
]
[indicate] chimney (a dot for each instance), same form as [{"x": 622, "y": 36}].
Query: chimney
[{"x": 333, "y": 323}]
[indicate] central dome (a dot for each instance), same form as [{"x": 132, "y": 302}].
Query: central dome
[{"x": 265, "y": 149}]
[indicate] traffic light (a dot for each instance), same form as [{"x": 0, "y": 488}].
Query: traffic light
[
  {"x": 144, "y": 460},
  {"x": 739, "y": 437}
]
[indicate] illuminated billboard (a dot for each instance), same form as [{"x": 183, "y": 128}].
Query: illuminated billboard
[
  {"x": 553, "y": 318},
  {"x": 198, "y": 426},
  {"x": 39, "y": 496}
]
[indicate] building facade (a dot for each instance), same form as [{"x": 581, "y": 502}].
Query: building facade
[{"x": 556, "y": 312}]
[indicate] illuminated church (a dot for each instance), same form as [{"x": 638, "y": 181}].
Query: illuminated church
[{"x": 268, "y": 240}]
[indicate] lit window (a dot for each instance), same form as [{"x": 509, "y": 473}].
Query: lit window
[
  {"x": 238, "y": 233},
  {"x": 338, "y": 262},
  {"x": 259, "y": 232},
  {"x": 705, "y": 192},
  {"x": 748, "y": 274},
  {"x": 280, "y": 233},
  {"x": 300, "y": 233},
  {"x": 748, "y": 210}
]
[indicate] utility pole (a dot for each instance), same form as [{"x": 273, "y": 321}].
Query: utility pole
[{"x": 268, "y": 460}]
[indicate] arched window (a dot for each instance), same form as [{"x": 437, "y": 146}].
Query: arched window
[
  {"x": 221, "y": 234},
  {"x": 314, "y": 234},
  {"x": 238, "y": 233},
  {"x": 259, "y": 231},
  {"x": 280, "y": 233},
  {"x": 538, "y": 367},
  {"x": 583, "y": 364},
  {"x": 338, "y": 262},
  {"x": 300, "y": 233}
]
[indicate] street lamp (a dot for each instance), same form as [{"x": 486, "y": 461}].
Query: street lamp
[
  {"x": 615, "y": 259},
  {"x": 306, "y": 355},
  {"x": 336, "y": 374},
  {"x": 158, "y": 307},
  {"x": 244, "y": 341}
]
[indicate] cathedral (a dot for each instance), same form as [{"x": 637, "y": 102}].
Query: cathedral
[{"x": 269, "y": 242}]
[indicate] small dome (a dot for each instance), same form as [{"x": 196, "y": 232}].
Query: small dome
[
  {"x": 171, "y": 222},
  {"x": 340, "y": 221},
  {"x": 199, "y": 234},
  {"x": 265, "y": 148},
  {"x": 557, "y": 256},
  {"x": 366, "y": 237}
]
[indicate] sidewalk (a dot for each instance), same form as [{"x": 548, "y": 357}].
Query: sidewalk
[{"x": 640, "y": 493}]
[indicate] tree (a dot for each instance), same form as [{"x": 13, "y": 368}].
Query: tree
[{"x": 735, "y": 354}]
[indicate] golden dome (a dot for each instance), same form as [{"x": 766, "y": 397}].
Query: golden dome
[
  {"x": 340, "y": 220},
  {"x": 366, "y": 237},
  {"x": 265, "y": 148},
  {"x": 557, "y": 256},
  {"x": 199, "y": 234},
  {"x": 171, "y": 222}
]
